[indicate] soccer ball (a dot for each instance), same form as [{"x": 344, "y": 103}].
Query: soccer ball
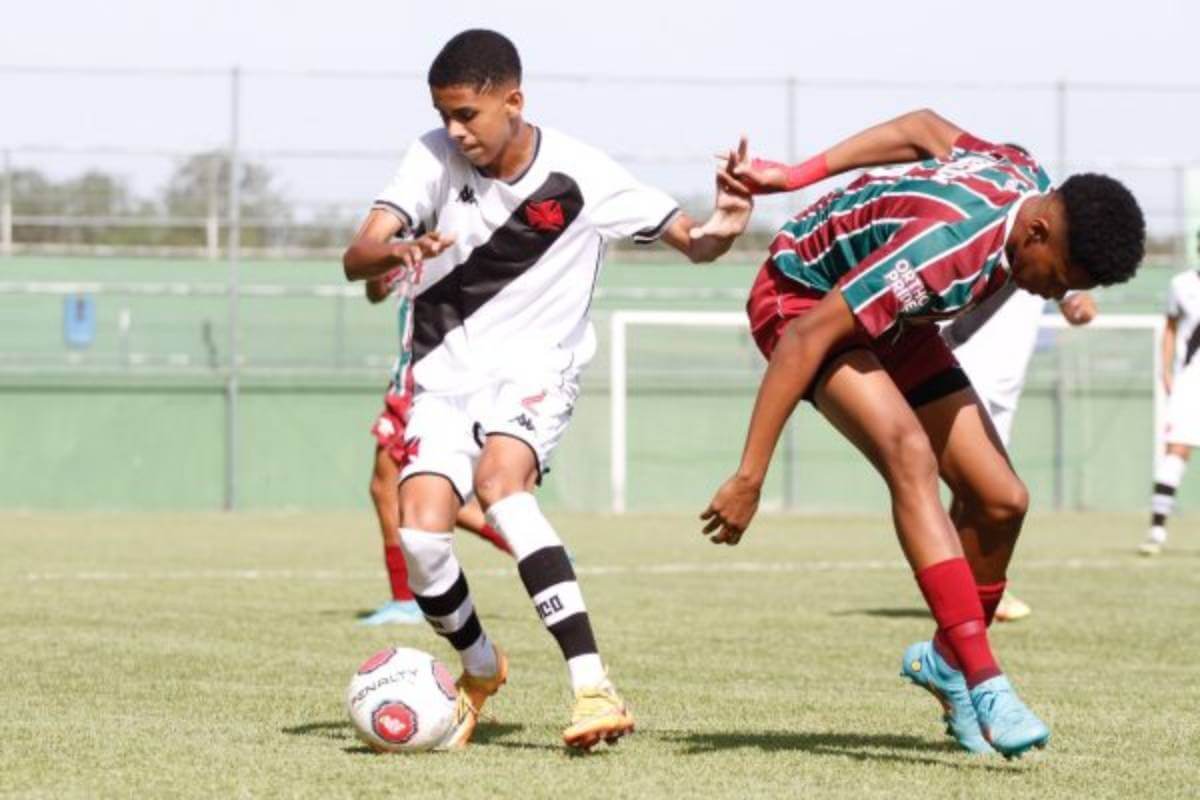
[{"x": 402, "y": 700}]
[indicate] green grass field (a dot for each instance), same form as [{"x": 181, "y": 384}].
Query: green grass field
[{"x": 207, "y": 655}]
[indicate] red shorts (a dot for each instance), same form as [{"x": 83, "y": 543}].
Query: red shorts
[
  {"x": 919, "y": 362},
  {"x": 388, "y": 429}
]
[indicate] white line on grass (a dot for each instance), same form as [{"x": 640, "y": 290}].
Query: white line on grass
[{"x": 677, "y": 568}]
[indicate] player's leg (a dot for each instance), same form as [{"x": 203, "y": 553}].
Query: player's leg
[
  {"x": 1168, "y": 474},
  {"x": 524, "y": 428},
  {"x": 432, "y": 484},
  {"x": 990, "y": 501},
  {"x": 385, "y": 496},
  {"x": 865, "y": 405},
  {"x": 471, "y": 518},
  {"x": 1010, "y": 608}
]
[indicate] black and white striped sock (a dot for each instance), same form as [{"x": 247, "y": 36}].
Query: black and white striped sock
[
  {"x": 1167, "y": 477},
  {"x": 441, "y": 590},
  {"x": 550, "y": 581}
]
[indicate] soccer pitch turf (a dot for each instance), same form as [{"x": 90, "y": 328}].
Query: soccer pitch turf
[{"x": 206, "y": 655}]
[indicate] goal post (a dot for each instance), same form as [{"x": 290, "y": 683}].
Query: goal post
[{"x": 623, "y": 323}]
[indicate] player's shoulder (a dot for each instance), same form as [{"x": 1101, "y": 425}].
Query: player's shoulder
[
  {"x": 581, "y": 159},
  {"x": 437, "y": 143},
  {"x": 1188, "y": 280}
]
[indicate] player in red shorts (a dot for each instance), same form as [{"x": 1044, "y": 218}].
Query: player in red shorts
[
  {"x": 391, "y": 453},
  {"x": 844, "y": 307}
]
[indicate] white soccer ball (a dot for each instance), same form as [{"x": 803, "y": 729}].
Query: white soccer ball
[{"x": 402, "y": 700}]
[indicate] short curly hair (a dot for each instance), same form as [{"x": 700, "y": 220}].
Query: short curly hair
[
  {"x": 1106, "y": 232},
  {"x": 476, "y": 58}
]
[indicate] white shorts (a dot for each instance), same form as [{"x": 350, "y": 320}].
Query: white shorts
[
  {"x": 446, "y": 432},
  {"x": 1183, "y": 409}
]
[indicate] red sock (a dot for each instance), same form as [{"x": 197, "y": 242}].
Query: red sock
[
  {"x": 950, "y": 593},
  {"x": 492, "y": 535},
  {"x": 397, "y": 571},
  {"x": 989, "y": 598}
]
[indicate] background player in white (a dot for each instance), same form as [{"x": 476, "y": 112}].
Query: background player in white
[
  {"x": 522, "y": 216},
  {"x": 1181, "y": 379},
  {"x": 994, "y": 344}
]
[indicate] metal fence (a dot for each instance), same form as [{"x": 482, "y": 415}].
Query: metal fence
[{"x": 327, "y": 140}]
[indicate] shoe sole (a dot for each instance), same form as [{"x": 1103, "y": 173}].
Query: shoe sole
[
  {"x": 946, "y": 709},
  {"x": 608, "y": 731},
  {"x": 1039, "y": 744}
]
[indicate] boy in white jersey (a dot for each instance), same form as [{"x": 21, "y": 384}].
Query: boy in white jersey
[
  {"x": 1181, "y": 379},
  {"x": 500, "y": 334}
]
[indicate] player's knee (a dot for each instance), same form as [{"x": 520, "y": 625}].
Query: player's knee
[
  {"x": 492, "y": 487},
  {"x": 908, "y": 457},
  {"x": 1006, "y": 508}
]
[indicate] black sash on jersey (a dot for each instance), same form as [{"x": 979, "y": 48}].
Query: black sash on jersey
[{"x": 513, "y": 248}]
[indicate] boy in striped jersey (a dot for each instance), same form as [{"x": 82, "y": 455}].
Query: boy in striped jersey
[{"x": 843, "y": 309}]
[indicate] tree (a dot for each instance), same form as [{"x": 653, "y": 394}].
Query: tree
[{"x": 201, "y": 182}]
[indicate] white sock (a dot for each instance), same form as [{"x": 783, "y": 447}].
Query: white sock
[
  {"x": 550, "y": 581},
  {"x": 441, "y": 590}
]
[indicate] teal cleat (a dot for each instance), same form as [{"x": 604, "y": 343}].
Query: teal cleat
[
  {"x": 925, "y": 668},
  {"x": 395, "y": 612},
  {"x": 1007, "y": 722}
]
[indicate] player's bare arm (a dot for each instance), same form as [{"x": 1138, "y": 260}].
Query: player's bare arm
[
  {"x": 706, "y": 242},
  {"x": 805, "y": 344},
  {"x": 911, "y": 137},
  {"x": 1078, "y": 308},
  {"x": 374, "y": 253}
]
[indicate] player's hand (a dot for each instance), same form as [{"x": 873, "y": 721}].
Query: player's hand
[
  {"x": 754, "y": 175},
  {"x": 412, "y": 255},
  {"x": 733, "y": 206},
  {"x": 1078, "y": 309},
  {"x": 731, "y": 509},
  {"x": 433, "y": 244}
]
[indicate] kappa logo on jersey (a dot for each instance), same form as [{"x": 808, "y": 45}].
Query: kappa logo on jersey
[
  {"x": 906, "y": 285},
  {"x": 545, "y": 216},
  {"x": 524, "y": 421},
  {"x": 467, "y": 195}
]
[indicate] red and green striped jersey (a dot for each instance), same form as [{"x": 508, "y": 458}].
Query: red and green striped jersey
[{"x": 914, "y": 242}]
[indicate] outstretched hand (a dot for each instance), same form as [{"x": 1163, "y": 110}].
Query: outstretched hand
[
  {"x": 730, "y": 512},
  {"x": 750, "y": 176},
  {"x": 731, "y": 212}
]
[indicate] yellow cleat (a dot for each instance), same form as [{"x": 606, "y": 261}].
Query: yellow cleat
[
  {"x": 473, "y": 692},
  {"x": 599, "y": 715},
  {"x": 1012, "y": 608}
]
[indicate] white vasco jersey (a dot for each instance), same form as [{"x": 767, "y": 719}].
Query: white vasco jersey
[
  {"x": 512, "y": 293},
  {"x": 1183, "y": 304}
]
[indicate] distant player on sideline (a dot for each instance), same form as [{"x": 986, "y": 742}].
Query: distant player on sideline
[
  {"x": 511, "y": 223},
  {"x": 994, "y": 344},
  {"x": 1181, "y": 379},
  {"x": 391, "y": 455},
  {"x": 842, "y": 308}
]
